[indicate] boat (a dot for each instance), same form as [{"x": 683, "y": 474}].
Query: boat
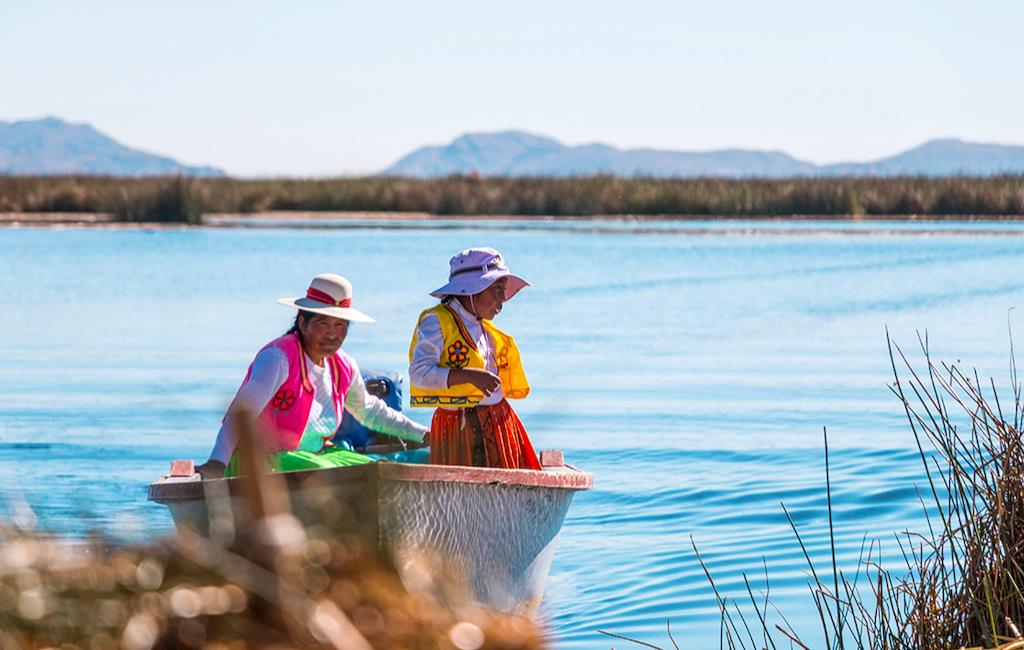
[{"x": 493, "y": 531}]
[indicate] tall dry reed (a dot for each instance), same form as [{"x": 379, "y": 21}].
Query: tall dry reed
[
  {"x": 263, "y": 581},
  {"x": 134, "y": 198},
  {"x": 960, "y": 581}
]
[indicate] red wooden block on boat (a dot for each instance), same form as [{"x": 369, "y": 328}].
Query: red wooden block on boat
[
  {"x": 552, "y": 458},
  {"x": 182, "y": 468}
]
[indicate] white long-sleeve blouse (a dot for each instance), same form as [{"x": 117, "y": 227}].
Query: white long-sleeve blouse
[
  {"x": 424, "y": 370},
  {"x": 269, "y": 371}
]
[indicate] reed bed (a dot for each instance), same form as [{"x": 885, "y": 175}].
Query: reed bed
[
  {"x": 959, "y": 583},
  {"x": 184, "y": 199},
  {"x": 262, "y": 581}
]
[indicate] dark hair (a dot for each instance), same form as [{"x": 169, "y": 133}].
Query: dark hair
[{"x": 300, "y": 316}]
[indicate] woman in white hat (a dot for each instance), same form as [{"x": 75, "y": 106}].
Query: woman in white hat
[
  {"x": 462, "y": 364},
  {"x": 300, "y": 383}
]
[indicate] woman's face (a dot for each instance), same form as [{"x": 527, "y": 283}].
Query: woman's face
[
  {"x": 323, "y": 335},
  {"x": 487, "y": 304}
]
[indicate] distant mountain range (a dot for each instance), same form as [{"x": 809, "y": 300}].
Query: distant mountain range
[
  {"x": 52, "y": 146},
  {"x": 515, "y": 153}
]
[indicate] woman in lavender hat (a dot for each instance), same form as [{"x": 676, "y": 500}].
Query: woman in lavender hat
[{"x": 467, "y": 368}]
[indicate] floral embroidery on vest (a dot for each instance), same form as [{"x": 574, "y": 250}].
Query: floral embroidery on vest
[
  {"x": 458, "y": 355},
  {"x": 502, "y": 358},
  {"x": 284, "y": 399}
]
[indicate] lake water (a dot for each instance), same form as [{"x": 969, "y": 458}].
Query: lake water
[{"x": 691, "y": 366}]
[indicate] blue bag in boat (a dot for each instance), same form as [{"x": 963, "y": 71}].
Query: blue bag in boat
[{"x": 383, "y": 384}]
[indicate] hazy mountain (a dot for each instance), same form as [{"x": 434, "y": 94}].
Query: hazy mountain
[
  {"x": 514, "y": 153},
  {"x": 52, "y": 146},
  {"x": 940, "y": 158}
]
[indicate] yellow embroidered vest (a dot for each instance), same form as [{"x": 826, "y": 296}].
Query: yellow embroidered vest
[{"x": 459, "y": 351}]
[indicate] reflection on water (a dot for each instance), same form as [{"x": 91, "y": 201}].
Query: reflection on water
[
  {"x": 692, "y": 375},
  {"x": 628, "y": 225}
]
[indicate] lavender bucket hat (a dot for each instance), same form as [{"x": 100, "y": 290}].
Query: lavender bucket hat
[{"x": 475, "y": 269}]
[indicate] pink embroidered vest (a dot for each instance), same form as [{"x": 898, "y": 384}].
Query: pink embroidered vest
[{"x": 287, "y": 413}]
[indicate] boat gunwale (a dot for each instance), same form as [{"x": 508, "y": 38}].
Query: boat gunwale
[{"x": 564, "y": 478}]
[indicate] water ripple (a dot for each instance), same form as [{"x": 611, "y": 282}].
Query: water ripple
[{"x": 691, "y": 375}]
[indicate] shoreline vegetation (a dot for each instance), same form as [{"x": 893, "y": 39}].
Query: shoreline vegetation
[{"x": 184, "y": 200}]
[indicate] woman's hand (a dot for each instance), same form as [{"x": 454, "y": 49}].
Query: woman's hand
[
  {"x": 486, "y": 382},
  {"x": 211, "y": 469}
]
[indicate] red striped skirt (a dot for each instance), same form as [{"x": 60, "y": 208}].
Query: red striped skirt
[{"x": 485, "y": 436}]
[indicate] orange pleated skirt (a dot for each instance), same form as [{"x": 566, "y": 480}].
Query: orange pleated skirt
[{"x": 485, "y": 436}]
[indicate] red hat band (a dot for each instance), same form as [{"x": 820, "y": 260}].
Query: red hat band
[{"x": 320, "y": 296}]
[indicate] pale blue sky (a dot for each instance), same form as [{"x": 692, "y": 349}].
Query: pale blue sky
[{"x": 314, "y": 88}]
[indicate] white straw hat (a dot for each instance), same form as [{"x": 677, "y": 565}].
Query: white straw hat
[
  {"x": 330, "y": 295},
  {"x": 475, "y": 269}
]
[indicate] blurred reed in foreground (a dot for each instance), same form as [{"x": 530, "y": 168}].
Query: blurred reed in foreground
[
  {"x": 960, "y": 582},
  {"x": 187, "y": 592},
  {"x": 184, "y": 199},
  {"x": 274, "y": 583}
]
